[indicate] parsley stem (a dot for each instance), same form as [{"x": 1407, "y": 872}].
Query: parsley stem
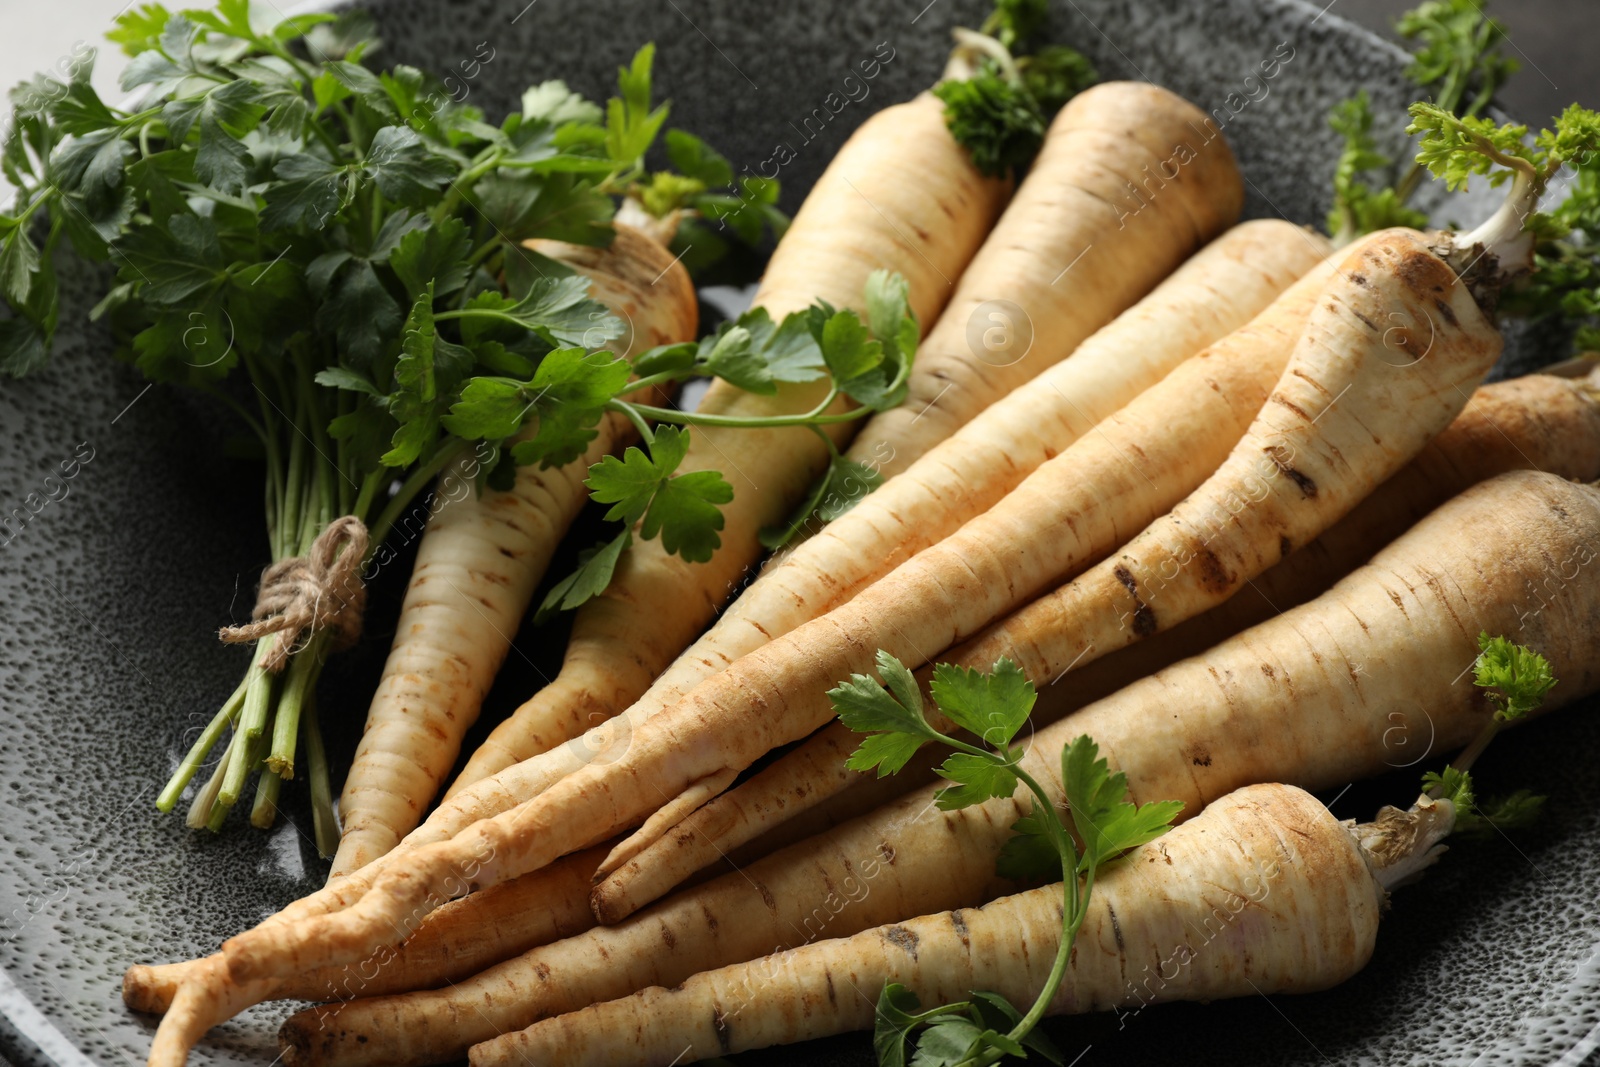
[
  {"x": 1073, "y": 912},
  {"x": 650, "y": 381},
  {"x": 304, "y": 667},
  {"x": 323, "y": 820},
  {"x": 264, "y": 812},
  {"x": 638, "y": 420},
  {"x": 419, "y": 478},
  {"x": 201, "y": 748}
]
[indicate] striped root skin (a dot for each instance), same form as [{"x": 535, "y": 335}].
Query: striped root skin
[
  {"x": 1306, "y": 698},
  {"x": 1074, "y": 249},
  {"x": 1367, "y": 388},
  {"x": 1091, "y": 497},
  {"x": 901, "y": 166},
  {"x": 1538, "y": 422},
  {"x": 1264, "y": 892},
  {"x": 1209, "y": 401},
  {"x": 480, "y": 560},
  {"x": 1217, "y": 291}
]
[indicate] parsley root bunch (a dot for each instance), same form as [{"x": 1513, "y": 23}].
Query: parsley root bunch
[
  {"x": 1320, "y": 459},
  {"x": 1272, "y": 704},
  {"x": 1538, "y": 422}
]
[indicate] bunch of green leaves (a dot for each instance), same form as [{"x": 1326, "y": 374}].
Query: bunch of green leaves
[
  {"x": 992, "y": 707},
  {"x": 868, "y": 362},
  {"x": 1000, "y": 112},
  {"x": 1457, "y": 54},
  {"x": 1516, "y": 679},
  {"x": 347, "y": 242}
]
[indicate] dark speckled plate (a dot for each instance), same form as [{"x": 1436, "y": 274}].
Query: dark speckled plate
[{"x": 110, "y": 592}]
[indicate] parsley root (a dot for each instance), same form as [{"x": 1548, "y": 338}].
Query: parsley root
[
  {"x": 477, "y": 566},
  {"x": 1074, "y": 248}
]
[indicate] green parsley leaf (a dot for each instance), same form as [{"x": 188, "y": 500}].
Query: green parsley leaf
[
  {"x": 1452, "y": 785},
  {"x": 992, "y": 706},
  {"x": 948, "y": 1041},
  {"x": 1029, "y": 855},
  {"x": 569, "y": 392},
  {"x": 405, "y": 170},
  {"x": 561, "y": 207},
  {"x": 174, "y": 263},
  {"x": 697, "y": 160},
  {"x": 310, "y": 192},
  {"x": 1054, "y": 75},
  {"x": 997, "y": 122},
  {"x": 631, "y": 126},
  {"x": 557, "y": 309},
  {"x": 1498, "y": 815},
  {"x": 436, "y": 253},
  {"x": 843, "y": 484},
  {"x": 595, "y": 568},
  {"x": 998, "y": 1014},
  {"x": 1107, "y": 824},
  {"x": 682, "y": 509},
  {"x": 977, "y": 778},
  {"x": 893, "y": 713},
  {"x": 358, "y": 312},
  {"x": 1517, "y": 677},
  {"x": 895, "y": 1018},
  {"x": 553, "y": 103}
]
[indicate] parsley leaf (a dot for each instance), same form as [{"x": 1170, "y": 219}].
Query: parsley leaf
[
  {"x": 595, "y": 568},
  {"x": 1518, "y": 678},
  {"x": 682, "y": 508},
  {"x": 1107, "y": 824},
  {"x": 568, "y": 392},
  {"x": 997, "y": 121},
  {"x": 993, "y": 706}
]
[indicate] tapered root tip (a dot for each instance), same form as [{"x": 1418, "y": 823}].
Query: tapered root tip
[
  {"x": 143, "y": 991},
  {"x": 296, "y": 1043}
]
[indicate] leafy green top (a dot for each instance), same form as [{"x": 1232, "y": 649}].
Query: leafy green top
[
  {"x": 1457, "y": 53},
  {"x": 999, "y": 111},
  {"x": 993, "y": 707}
]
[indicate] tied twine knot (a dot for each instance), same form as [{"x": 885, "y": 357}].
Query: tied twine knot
[{"x": 321, "y": 590}]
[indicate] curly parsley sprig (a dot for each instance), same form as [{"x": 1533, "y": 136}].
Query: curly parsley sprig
[
  {"x": 1458, "y": 62},
  {"x": 993, "y": 708},
  {"x": 1517, "y": 680},
  {"x": 999, "y": 94}
]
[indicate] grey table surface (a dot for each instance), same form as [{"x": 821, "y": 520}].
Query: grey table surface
[{"x": 1547, "y": 36}]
